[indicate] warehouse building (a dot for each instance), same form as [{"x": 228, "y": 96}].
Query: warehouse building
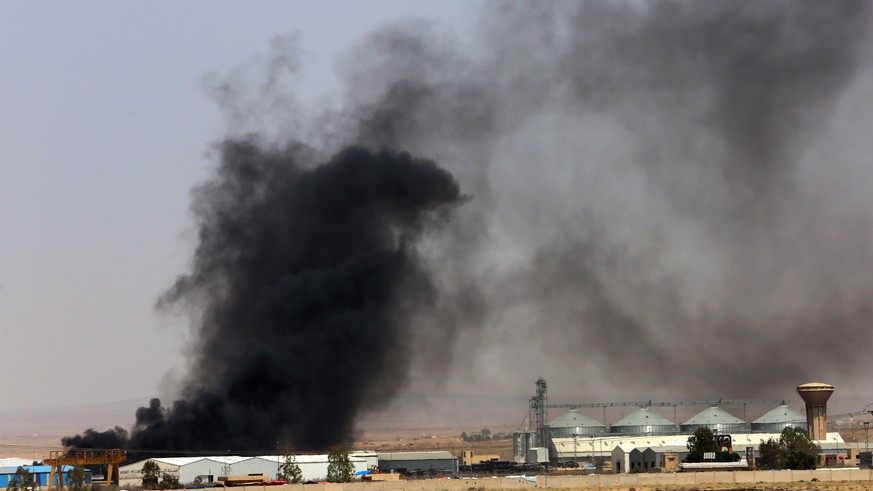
[
  {"x": 629, "y": 458},
  {"x": 617, "y": 448},
  {"x": 418, "y": 462},
  {"x": 626, "y": 458},
  {"x": 40, "y": 474},
  {"x": 186, "y": 469},
  {"x": 206, "y": 470}
]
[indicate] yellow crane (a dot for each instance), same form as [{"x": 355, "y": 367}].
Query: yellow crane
[{"x": 110, "y": 458}]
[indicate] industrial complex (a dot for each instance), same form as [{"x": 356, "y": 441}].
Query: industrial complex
[
  {"x": 645, "y": 440},
  {"x": 642, "y": 441}
]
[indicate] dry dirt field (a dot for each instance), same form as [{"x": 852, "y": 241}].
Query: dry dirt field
[
  {"x": 800, "y": 486},
  {"x": 503, "y": 448}
]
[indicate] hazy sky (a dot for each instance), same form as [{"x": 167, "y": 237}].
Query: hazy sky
[
  {"x": 104, "y": 129},
  {"x": 652, "y": 184}
]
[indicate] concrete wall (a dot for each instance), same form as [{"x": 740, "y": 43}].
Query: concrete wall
[
  {"x": 693, "y": 478},
  {"x": 591, "y": 481},
  {"x": 489, "y": 484},
  {"x": 860, "y": 476}
]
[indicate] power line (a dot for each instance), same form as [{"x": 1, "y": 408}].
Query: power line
[
  {"x": 17, "y": 445},
  {"x": 705, "y": 402}
]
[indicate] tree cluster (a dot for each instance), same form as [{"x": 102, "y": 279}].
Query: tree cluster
[
  {"x": 21, "y": 480},
  {"x": 76, "y": 478},
  {"x": 339, "y": 466},
  {"x": 484, "y": 435},
  {"x": 151, "y": 473},
  {"x": 703, "y": 441},
  {"x": 169, "y": 481},
  {"x": 793, "y": 450},
  {"x": 289, "y": 471}
]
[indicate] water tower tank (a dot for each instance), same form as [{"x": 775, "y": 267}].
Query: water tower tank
[{"x": 816, "y": 395}]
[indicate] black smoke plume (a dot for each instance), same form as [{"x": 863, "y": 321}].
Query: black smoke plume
[{"x": 298, "y": 277}]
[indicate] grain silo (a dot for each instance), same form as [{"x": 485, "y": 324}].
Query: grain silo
[
  {"x": 575, "y": 423},
  {"x": 643, "y": 422},
  {"x": 716, "y": 419},
  {"x": 531, "y": 440},
  {"x": 778, "y": 419},
  {"x": 519, "y": 450}
]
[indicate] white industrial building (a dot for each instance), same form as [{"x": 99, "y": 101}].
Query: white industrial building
[
  {"x": 619, "y": 448},
  {"x": 209, "y": 469}
]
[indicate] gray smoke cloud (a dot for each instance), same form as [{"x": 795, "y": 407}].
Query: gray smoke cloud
[{"x": 670, "y": 197}]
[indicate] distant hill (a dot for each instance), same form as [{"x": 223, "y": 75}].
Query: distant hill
[{"x": 33, "y": 432}]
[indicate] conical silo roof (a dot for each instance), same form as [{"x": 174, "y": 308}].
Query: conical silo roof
[
  {"x": 643, "y": 421},
  {"x": 778, "y": 419},
  {"x": 717, "y": 420},
  {"x": 573, "y": 422},
  {"x": 573, "y": 418}
]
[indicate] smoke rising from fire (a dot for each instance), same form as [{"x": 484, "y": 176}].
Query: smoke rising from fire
[
  {"x": 303, "y": 277},
  {"x": 670, "y": 197}
]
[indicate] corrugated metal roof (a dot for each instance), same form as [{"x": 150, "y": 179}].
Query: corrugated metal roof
[
  {"x": 15, "y": 462},
  {"x": 624, "y": 447},
  {"x": 781, "y": 414},
  {"x": 714, "y": 416},
  {"x": 182, "y": 461},
  {"x": 35, "y": 469},
  {"x": 307, "y": 459},
  {"x": 644, "y": 417},
  {"x": 177, "y": 461},
  {"x": 573, "y": 419}
]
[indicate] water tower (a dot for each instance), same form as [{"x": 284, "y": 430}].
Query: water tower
[{"x": 816, "y": 395}]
